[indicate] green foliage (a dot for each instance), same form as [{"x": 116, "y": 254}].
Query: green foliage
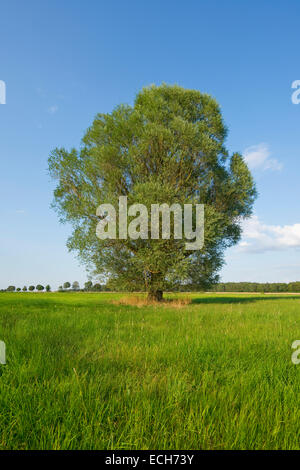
[
  {"x": 88, "y": 285},
  {"x": 31, "y": 288},
  {"x": 48, "y": 288},
  {"x": 67, "y": 285},
  {"x": 24, "y": 289},
  {"x": 97, "y": 287},
  {"x": 168, "y": 148},
  {"x": 39, "y": 287},
  {"x": 257, "y": 287},
  {"x": 11, "y": 288}
]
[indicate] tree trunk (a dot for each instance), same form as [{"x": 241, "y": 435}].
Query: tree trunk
[{"x": 155, "y": 295}]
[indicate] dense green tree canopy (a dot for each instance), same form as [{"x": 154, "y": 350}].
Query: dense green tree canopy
[
  {"x": 11, "y": 288},
  {"x": 167, "y": 148},
  {"x": 88, "y": 285}
]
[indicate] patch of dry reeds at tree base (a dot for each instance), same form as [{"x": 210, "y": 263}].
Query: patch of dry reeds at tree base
[{"x": 139, "y": 301}]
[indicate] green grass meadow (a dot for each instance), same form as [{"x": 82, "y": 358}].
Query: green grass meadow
[{"x": 84, "y": 373}]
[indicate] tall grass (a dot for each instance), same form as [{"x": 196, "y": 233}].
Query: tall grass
[{"x": 85, "y": 373}]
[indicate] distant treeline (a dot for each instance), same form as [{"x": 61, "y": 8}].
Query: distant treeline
[
  {"x": 66, "y": 287},
  {"x": 221, "y": 287},
  {"x": 256, "y": 287}
]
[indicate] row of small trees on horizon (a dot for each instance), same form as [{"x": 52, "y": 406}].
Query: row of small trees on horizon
[
  {"x": 88, "y": 287},
  {"x": 66, "y": 287},
  {"x": 256, "y": 287},
  {"x": 38, "y": 287},
  {"x": 220, "y": 287}
]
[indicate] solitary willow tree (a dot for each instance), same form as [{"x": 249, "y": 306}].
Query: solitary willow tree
[{"x": 167, "y": 148}]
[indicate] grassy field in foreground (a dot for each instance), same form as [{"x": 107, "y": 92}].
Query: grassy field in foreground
[{"x": 83, "y": 373}]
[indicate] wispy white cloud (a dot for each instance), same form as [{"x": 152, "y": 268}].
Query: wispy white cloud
[
  {"x": 258, "y": 157},
  {"x": 260, "y": 237},
  {"x": 53, "y": 109}
]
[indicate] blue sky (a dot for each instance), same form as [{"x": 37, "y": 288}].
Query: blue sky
[{"x": 64, "y": 61}]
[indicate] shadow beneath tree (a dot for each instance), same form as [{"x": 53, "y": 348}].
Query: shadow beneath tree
[{"x": 239, "y": 300}]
